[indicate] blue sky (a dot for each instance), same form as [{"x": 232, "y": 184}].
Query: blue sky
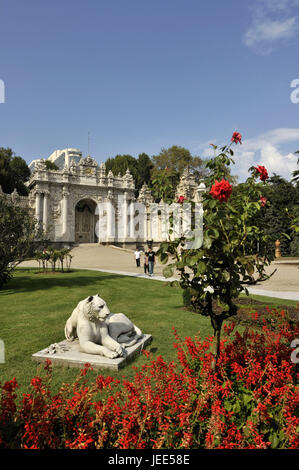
[{"x": 142, "y": 75}]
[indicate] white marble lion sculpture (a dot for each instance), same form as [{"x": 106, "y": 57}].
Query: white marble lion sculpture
[{"x": 99, "y": 331}]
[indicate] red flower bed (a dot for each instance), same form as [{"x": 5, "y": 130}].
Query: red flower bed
[{"x": 248, "y": 403}]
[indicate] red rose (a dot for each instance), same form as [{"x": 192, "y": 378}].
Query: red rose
[
  {"x": 262, "y": 172},
  {"x": 221, "y": 190},
  {"x": 263, "y": 201},
  {"x": 236, "y": 137}
]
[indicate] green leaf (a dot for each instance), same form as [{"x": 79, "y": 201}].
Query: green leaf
[
  {"x": 274, "y": 440},
  {"x": 163, "y": 258},
  {"x": 207, "y": 242},
  {"x": 226, "y": 275},
  {"x": 180, "y": 264},
  {"x": 286, "y": 235},
  {"x": 201, "y": 267},
  {"x": 212, "y": 203},
  {"x": 213, "y": 233},
  {"x": 168, "y": 271}
]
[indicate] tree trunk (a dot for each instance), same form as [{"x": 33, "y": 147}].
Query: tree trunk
[{"x": 216, "y": 321}]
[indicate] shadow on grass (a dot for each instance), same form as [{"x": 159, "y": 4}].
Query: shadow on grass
[{"x": 23, "y": 283}]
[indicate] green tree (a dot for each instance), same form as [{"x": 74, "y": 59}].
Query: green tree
[
  {"x": 163, "y": 185},
  {"x": 18, "y": 234},
  {"x": 140, "y": 168},
  {"x": 120, "y": 164},
  {"x": 14, "y": 172},
  {"x": 144, "y": 169},
  {"x": 283, "y": 199},
  {"x": 169, "y": 166},
  {"x": 51, "y": 166},
  {"x": 175, "y": 158}
]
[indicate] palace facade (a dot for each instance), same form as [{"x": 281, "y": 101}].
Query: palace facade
[{"x": 81, "y": 203}]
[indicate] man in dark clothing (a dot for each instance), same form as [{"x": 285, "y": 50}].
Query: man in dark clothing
[{"x": 150, "y": 255}]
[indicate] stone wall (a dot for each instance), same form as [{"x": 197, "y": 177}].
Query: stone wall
[{"x": 15, "y": 198}]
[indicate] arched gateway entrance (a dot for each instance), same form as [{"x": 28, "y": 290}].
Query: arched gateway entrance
[{"x": 85, "y": 222}]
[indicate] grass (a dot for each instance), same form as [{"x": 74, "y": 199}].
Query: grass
[{"x": 34, "y": 308}]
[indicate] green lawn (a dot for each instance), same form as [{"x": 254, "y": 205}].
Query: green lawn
[{"x": 34, "y": 308}]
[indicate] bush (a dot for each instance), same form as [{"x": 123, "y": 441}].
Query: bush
[
  {"x": 53, "y": 257},
  {"x": 248, "y": 403},
  {"x": 19, "y": 233}
]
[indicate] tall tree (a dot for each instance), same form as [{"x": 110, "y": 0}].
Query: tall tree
[
  {"x": 169, "y": 166},
  {"x": 14, "y": 172},
  {"x": 144, "y": 168},
  {"x": 120, "y": 164},
  {"x": 283, "y": 199},
  {"x": 176, "y": 158},
  {"x": 140, "y": 167}
]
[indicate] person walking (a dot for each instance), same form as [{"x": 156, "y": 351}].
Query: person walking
[
  {"x": 150, "y": 254},
  {"x": 145, "y": 263},
  {"x": 137, "y": 257}
]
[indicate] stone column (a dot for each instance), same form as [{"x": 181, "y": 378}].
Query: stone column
[
  {"x": 110, "y": 217},
  {"x": 146, "y": 210},
  {"x": 132, "y": 219},
  {"x": 38, "y": 206},
  {"x": 46, "y": 209},
  {"x": 125, "y": 216},
  {"x": 65, "y": 204},
  {"x": 186, "y": 219}
]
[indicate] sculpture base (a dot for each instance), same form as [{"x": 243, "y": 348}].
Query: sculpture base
[{"x": 69, "y": 354}]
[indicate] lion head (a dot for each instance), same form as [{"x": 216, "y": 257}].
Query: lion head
[{"x": 96, "y": 308}]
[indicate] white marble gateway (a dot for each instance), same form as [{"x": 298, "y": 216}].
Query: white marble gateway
[{"x": 83, "y": 203}]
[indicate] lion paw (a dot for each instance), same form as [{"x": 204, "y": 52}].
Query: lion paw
[
  {"x": 119, "y": 350},
  {"x": 111, "y": 354}
]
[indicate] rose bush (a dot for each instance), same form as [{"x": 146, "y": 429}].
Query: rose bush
[
  {"x": 234, "y": 249},
  {"x": 250, "y": 403}
]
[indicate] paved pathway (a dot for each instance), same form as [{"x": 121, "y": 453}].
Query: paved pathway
[{"x": 283, "y": 284}]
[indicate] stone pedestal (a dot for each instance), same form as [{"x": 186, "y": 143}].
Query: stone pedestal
[{"x": 68, "y": 354}]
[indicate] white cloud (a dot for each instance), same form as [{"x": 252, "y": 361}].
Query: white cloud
[
  {"x": 278, "y": 5},
  {"x": 266, "y": 150},
  {"x": 268, "y": 31},
  {"x": 273, "y": 21}
]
